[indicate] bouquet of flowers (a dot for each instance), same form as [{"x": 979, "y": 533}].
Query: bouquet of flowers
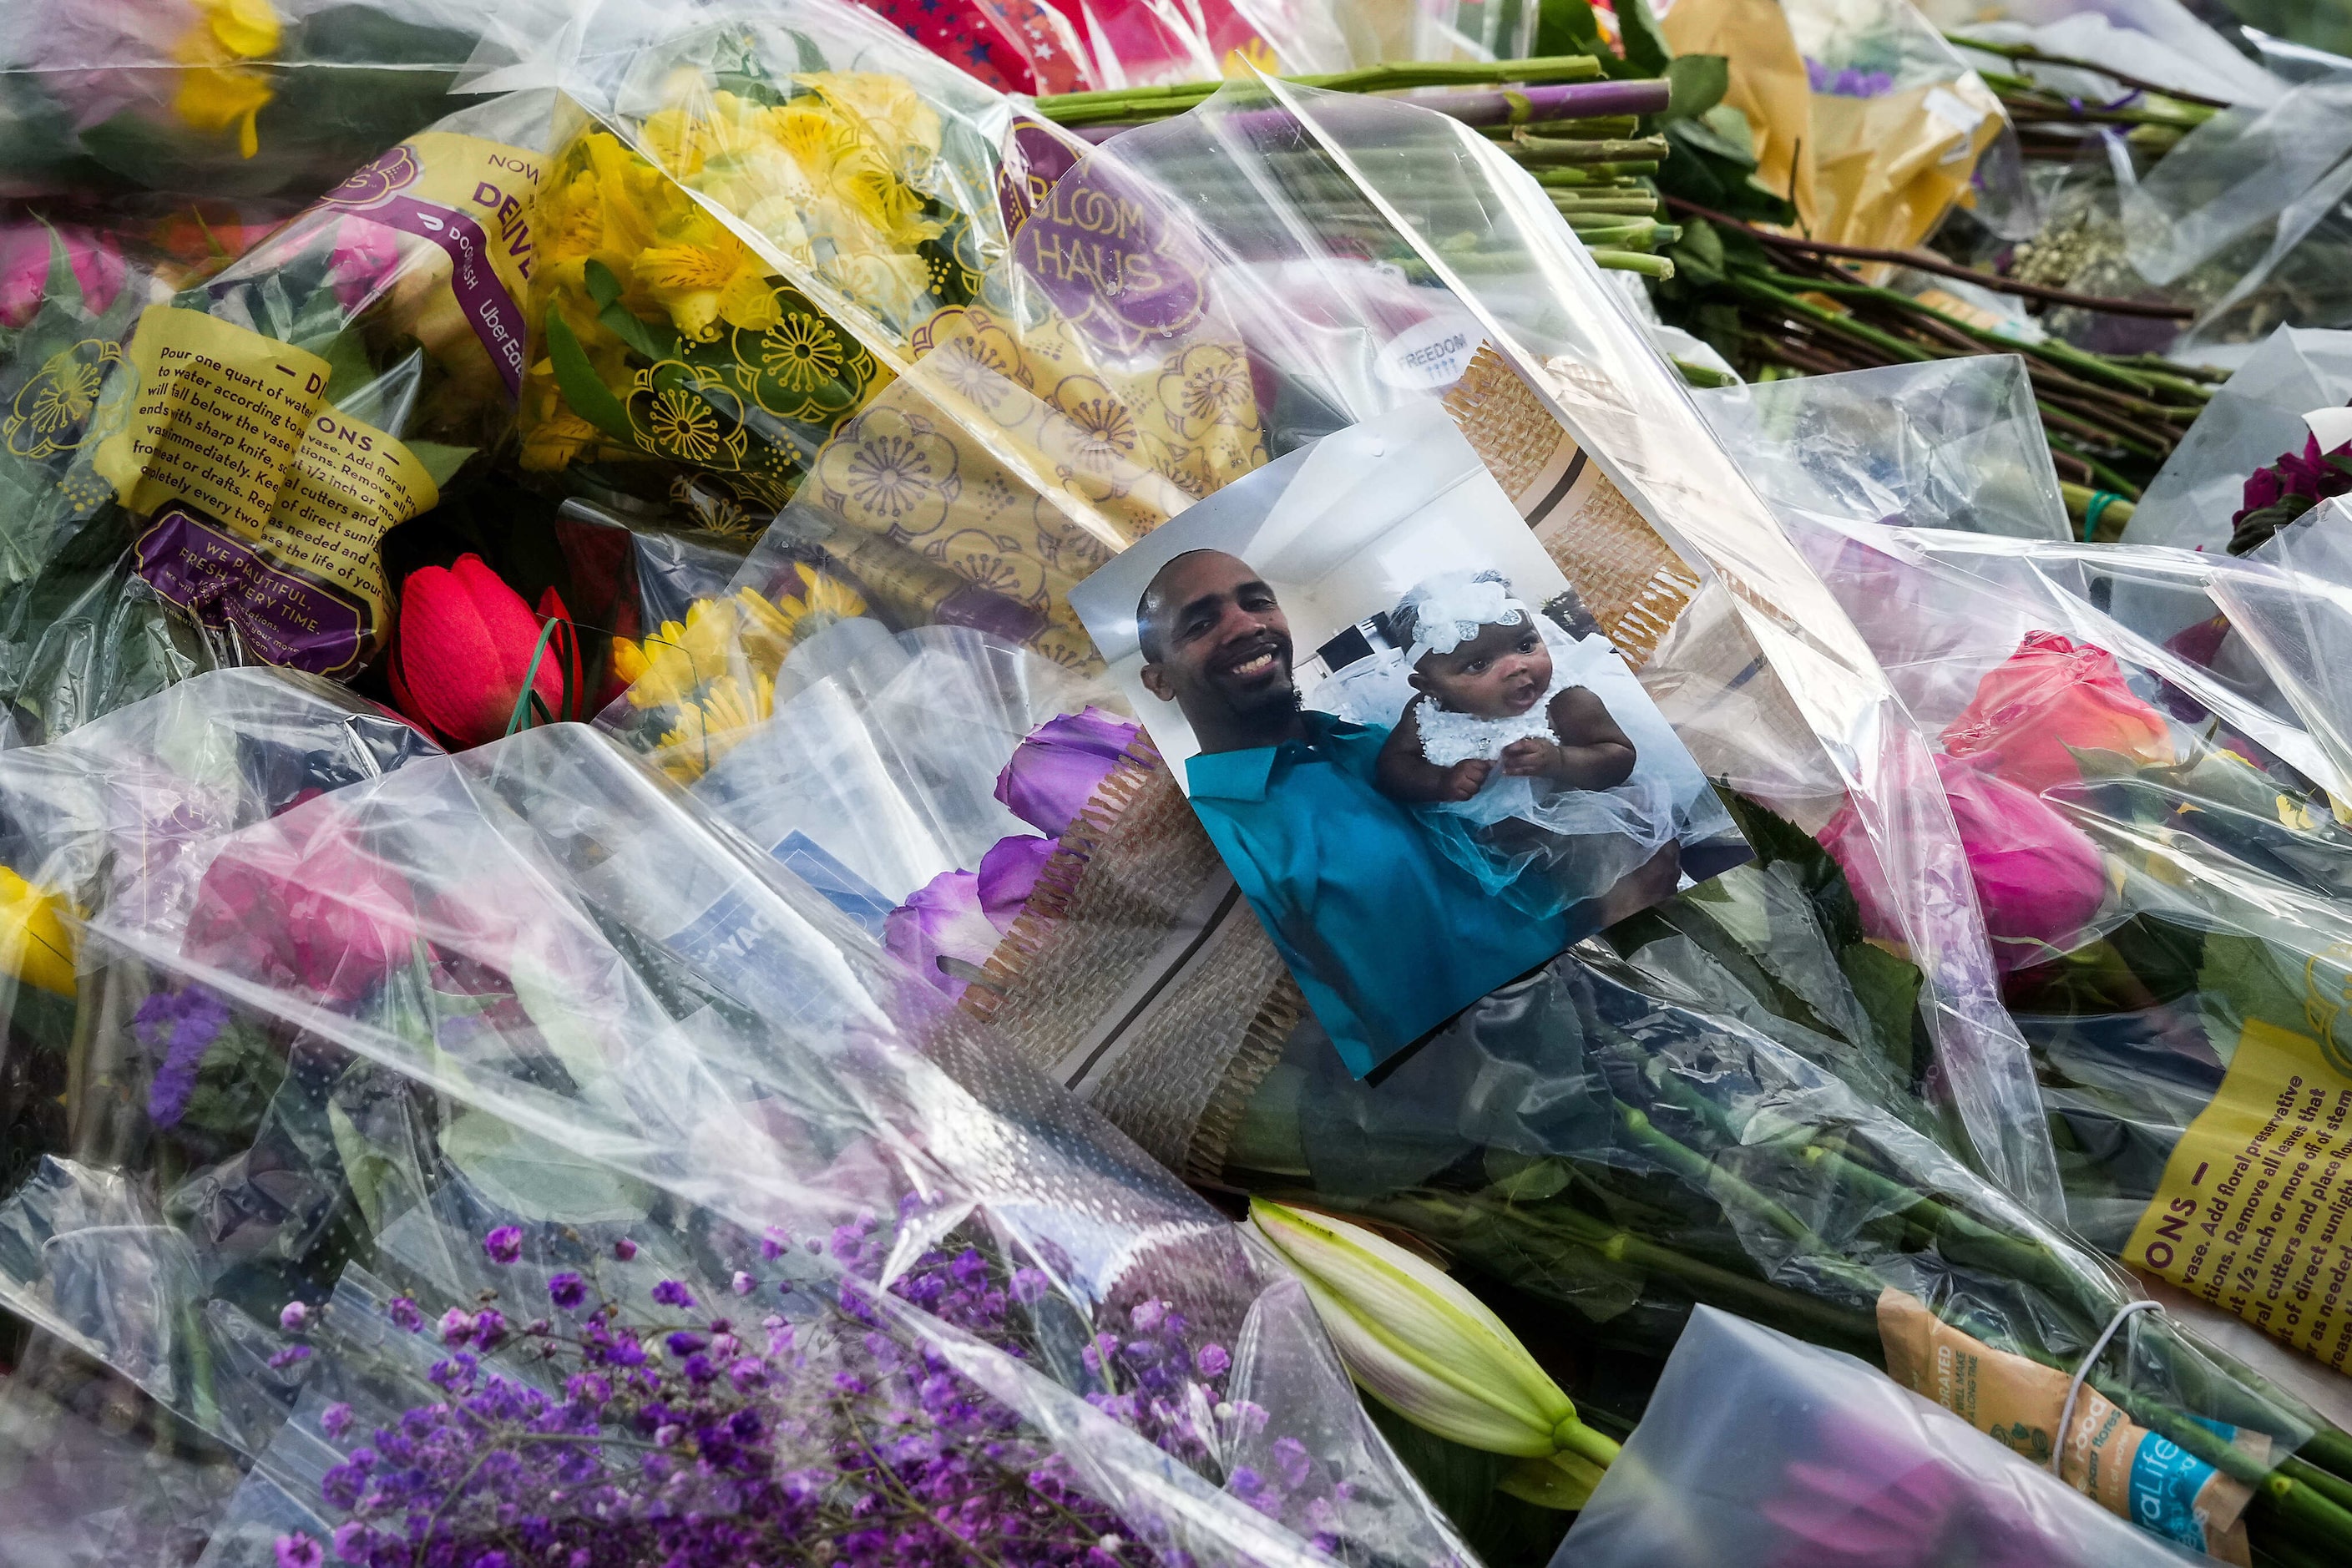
[
  {"x": 240, "y": 449},
  {"x": 232, "y": 98},
  {"x": 719, "y": 1202},
  {"x": 172, "y": 1165}
]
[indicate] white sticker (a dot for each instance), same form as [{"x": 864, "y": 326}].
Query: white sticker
[
  {"x": 1949, "y": 107},
  {"x": 1430, "y": 353}
]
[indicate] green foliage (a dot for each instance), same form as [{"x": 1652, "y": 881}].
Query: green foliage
[
  {"x": 1646, "y": 47},
  {"x": 1698, "y": 83}
]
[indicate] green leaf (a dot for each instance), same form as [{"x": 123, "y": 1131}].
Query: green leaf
[
  {"x": 603, "y": 287},
  {"x": 583, "y": 388},
  {"x": 1698, "y": 83},
  {"x": 1569, "y": 27},
  {"x": 1888, "y": 989},
  {"x": 440, "y": 460},
  {"x": 2244, "y": 979},
  {"x": 1562, "y": 1482},
  {"x": 1645, "y": 46},
  {"x": 538, "y": 1179}
]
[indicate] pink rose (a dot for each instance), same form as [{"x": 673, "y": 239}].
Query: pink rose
[
  {"x": 26, "y": 252},
  {"x": 296, "y": 904},
  {"x": 2039, "y": 879}
]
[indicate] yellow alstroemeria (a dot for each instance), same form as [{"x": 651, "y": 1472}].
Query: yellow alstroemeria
[
  {"x": 702, "y": 275},
  {"x": 35, "y": 945},
  {"x": 893, "y": 114},
  {"x": 216, "y": 91},
  {"x": 689, "y": 135}
]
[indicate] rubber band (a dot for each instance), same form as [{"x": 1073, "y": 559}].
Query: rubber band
[
  {"x": 2074, "y": 1389},
  {"x": 2100, "y": 501}
]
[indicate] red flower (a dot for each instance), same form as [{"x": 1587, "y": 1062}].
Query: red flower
[
  {"x": 2048, "y": 696},
  {"x": 2039, "y": 879},
  {"x": 296, "y": 904},
  {"x": 463, "y": 645}
]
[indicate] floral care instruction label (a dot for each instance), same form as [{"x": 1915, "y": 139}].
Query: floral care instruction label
[
  {"x": 2251, "y": 1214},
  {"x": 2127, "y": 1468},
  {"x": 264, "y": 505}
]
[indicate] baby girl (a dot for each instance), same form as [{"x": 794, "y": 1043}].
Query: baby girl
[{"x": 1525, "y": 776}]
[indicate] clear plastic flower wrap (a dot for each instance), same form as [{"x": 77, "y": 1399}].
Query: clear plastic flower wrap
[
  {"x": 2159, "y": 851},
  {"x": 743, "y": 235},
  {"x": 241, "y": 447},
  {"x": 170, "y": 1165},
  {"x": 1759, "y": 1449},
  {"x": 718, "y": 1199},
  {"x": 1949, "y": 444},
  {"x": 234, "y": 98}
]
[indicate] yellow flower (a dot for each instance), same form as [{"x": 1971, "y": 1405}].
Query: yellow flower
[
  {"x": 673, "y": 662},
  {"x": 708, "y": 732},
  {"x": 216, "y": 91},
  {"x": 889, "y": 109},
  {"x": 822, "y": 600},
  {"x": 705, "y": 274},
  {"x": 35, "y": 945}
]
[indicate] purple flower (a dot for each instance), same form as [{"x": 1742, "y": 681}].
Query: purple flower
[
  {"x": 670, "y": 1293},
  {"x": 567, "y": 1291},
  {"x": 1211, "y": 1361},
  {"x": 625, "y": 1250},
  {"x": 490, "y": 1327},
  {"x": 504, "y": 1244},
  {"x": 351, "y": 1541},
  {"x": 1008, "y": 875},
  {"x": 456, "y": 1327},
  {"x": 774, "y": 1243},
  {"x": 1059, "y": 767},
  {"x": 335, "y": 1419},
  {"x": 182, "y": 1027},
  {"x": 744, "y": 1284},
  {"x": 1147, "y": 1315},
  {"x": 1851, "y": 82},
  {"x": 1030, "y": 1285},
  {"x": 942, "y": 932},
  {"x": 292, "y": 1316},
  {"x": 405, "y": 1315},
  {"x": 1292, "y": 1460},
  {"x": 288, "y": 1356},
  {"x": 685, "y": 1342},
  {"x": 299, "y": 1551}
]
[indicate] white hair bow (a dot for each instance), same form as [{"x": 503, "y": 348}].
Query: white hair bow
[{"x": 1449, "y": 609}]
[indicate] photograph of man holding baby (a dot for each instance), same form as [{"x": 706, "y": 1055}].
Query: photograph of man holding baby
[{"x": 1451, "y": 785}]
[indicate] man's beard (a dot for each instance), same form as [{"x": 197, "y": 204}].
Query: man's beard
[{"x": 1267, "y": 703}]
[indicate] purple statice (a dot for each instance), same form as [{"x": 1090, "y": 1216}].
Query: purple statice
[
  {"x": 843, "y": 1440},
  {"x": 178, "y": 1026},
  {"x": 503, "y": 1245},
  {"x": 292, "y": 1316}
]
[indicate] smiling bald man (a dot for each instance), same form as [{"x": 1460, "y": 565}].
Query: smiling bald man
[{"x": 1388, "y": 937}]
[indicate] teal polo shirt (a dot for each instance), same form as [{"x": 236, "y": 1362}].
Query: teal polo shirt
[{"x": 1388, "y": 937}]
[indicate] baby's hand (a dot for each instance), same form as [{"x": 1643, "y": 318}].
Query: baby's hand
[
  {"x": 1464, "y": 780},
  {"x": 1532, "y": 758}
]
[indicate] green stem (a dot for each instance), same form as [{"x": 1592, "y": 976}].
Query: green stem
[
  {"x": 1542, "y": 151},
  {"x": 1885, "y": 342},
  {"x": 1113, "y": 104},
  {"x": 1656, "y": 267}
]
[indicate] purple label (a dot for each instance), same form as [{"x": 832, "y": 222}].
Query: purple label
[
  {"x": 282, "y": 617},
  {"x": 1035, "y": 158},
  {"x": 479, "y": 293},
  {"x": 1120, "y": 266},
  {"x": 985, "y": 611}
]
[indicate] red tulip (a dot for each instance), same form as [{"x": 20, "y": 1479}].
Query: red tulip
[
  {"x": 2048, "y": 696},
  {"x": 463, "y": 646}
]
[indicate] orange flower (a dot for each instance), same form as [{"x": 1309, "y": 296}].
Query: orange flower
[{"x": 2048, "y": 696}]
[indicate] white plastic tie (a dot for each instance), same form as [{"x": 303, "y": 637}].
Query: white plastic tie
[{"x": 2074, "y": 1389}]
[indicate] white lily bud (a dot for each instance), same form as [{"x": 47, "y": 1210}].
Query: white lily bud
[{"x": 1412, "y": 1338}]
